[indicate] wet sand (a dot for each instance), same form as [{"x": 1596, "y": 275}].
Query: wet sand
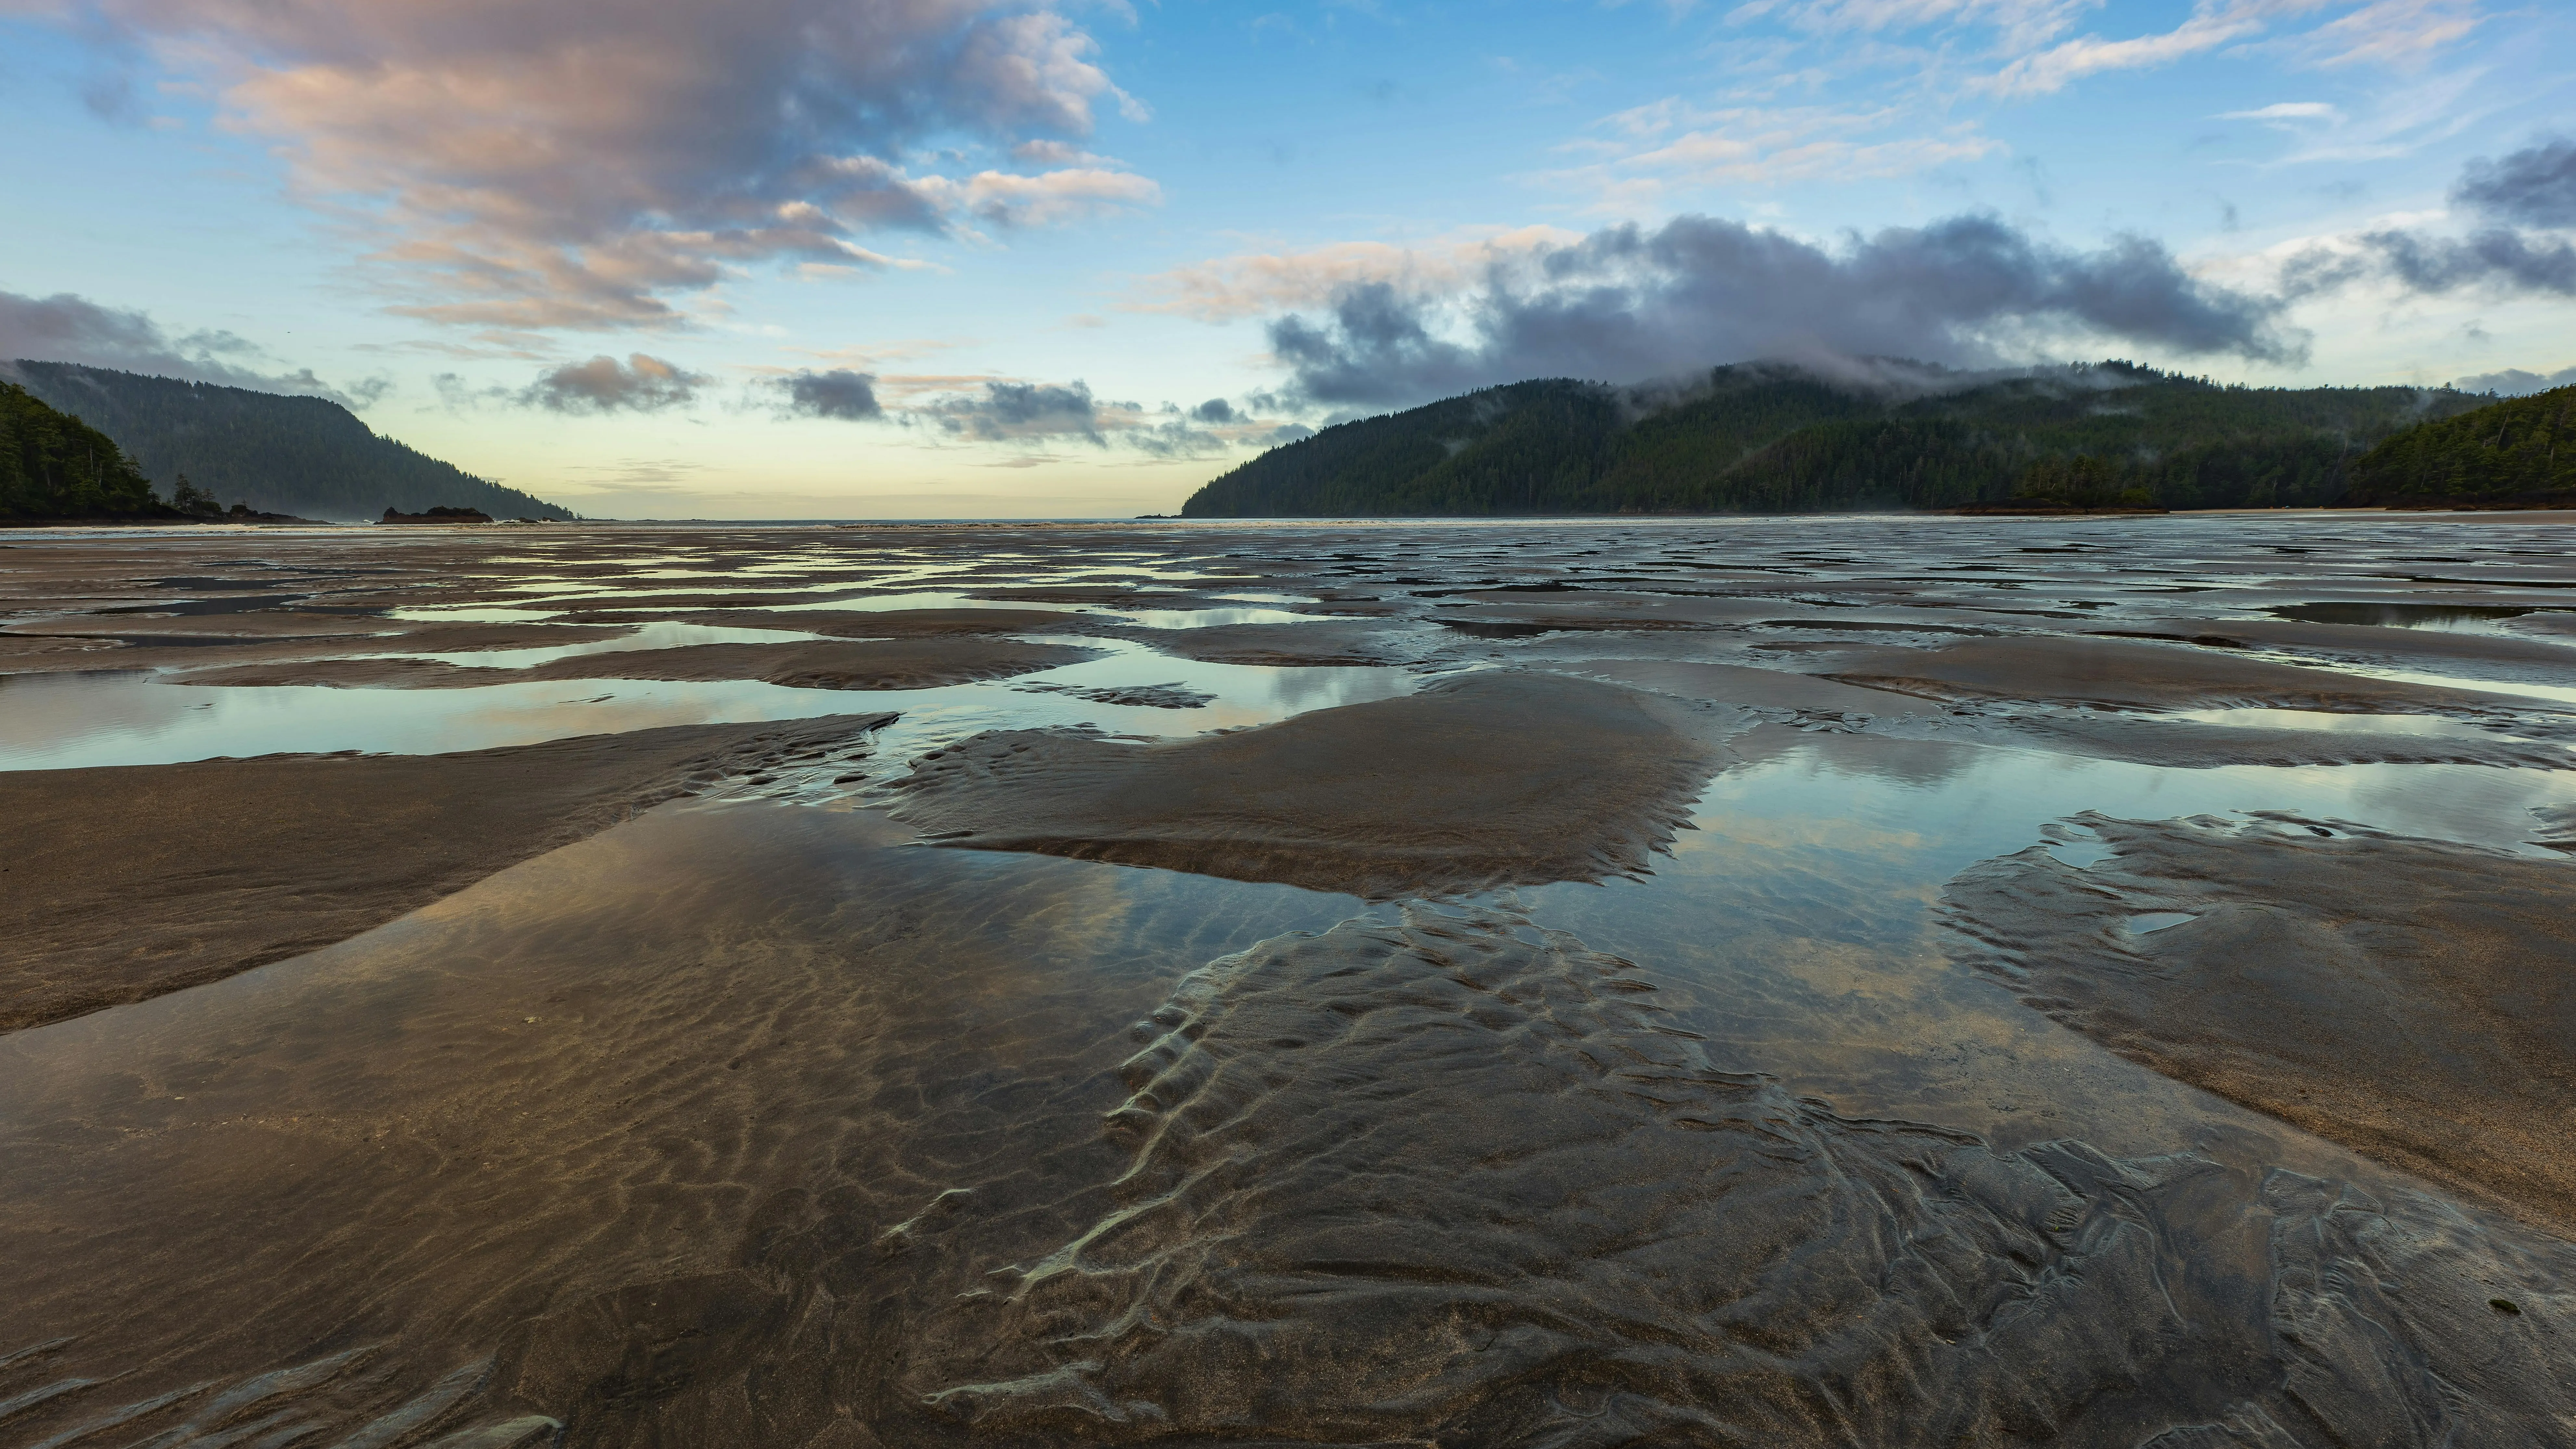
[
  {"x": 872, "y": 664},
  {"x": 159, "y": 877},
  {"x": 2136, "y": 675},
  {"x": 1489, "y": 780},
  {"x": 2413, "y": 1000},
  {"x": 1518, "y": 985}
]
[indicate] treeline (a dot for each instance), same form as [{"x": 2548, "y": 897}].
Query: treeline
[
  {"x": 1765, "y": 438},
  {"x": 2522, "y": 450},
  {"x": 305, "y": 456},
  {"x": 53, "y": 465}
]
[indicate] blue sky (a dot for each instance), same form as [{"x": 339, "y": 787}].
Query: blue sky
[{"x": 947, "y": 257}]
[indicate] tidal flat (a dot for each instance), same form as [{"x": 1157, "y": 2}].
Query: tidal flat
[{"x": 1818, "y": 981}]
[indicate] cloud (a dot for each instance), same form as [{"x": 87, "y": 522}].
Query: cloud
[
  {"x": 838, "y": 393},
  {"x": 1019, "y": 411},
  {"x": 1031, "y": 414},
  {"x": 1050, "y": 199},
  {"x": 1260, "y": 283},
  {"x": 69, "y": 328},
  {"x": 1626, "y": 304},
  {"x": 2501, "y": 260},
  {"x": 2211, "y": 25},
  {"x": 1175, "y": 439},
  {"x": 2286, "y": 111},
  {"x": 640, "y": 384},
  {"x": 2535, "y": 186},
  {"x": 582, "y": 163},
  {"x": 1647, "y": 150},
  {"x": 2400, "y": 33},
  {"x": 2515, "y": 382},
  {"x": 2396, "y": 33}
]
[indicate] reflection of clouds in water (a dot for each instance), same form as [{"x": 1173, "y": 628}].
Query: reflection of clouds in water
[
  {"x": 1865, "y": 812},
  {"x": 40, "y": 711},
  {"x": 72, "y": 720},
  {"x": 661, "y": 635},
  {"x": 1212, "y": 618},
  {"x": 2420, "y": 725}
]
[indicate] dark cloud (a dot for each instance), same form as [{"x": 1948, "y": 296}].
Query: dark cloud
[
  {"x": 1215, "y": 410},
  {"x": 1288, "y": 433},
  {"x": 1627, "y": 303},
  {"x": 1174, "y": 439},
  {"x": 640, "y": 384},
  {"x": 2505, "y": 260},
  {"x": 1008, "y": 410},
  {"x": 68, "y": 328},
  {"x": 2535, "y": 186},
  {"x": 838, "y": 393},
  {"x": 2523, "y": 197},
  {"x": 2515, "y": 382}
]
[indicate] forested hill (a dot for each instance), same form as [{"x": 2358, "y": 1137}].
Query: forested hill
[
  {"x": 53, "y": 465},
  {"x": 306, "y": 456},
  {"x": 1768, "y": 438},
  {"x": 2522, "y": 450}
]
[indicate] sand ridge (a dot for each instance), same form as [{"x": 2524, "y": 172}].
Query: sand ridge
[
  {"x": 156, "y": 877},
  {"x": 1492, "y": 778},
  {"x": 2413, "y": 999}
]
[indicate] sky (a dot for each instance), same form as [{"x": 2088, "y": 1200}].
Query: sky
[{"x": 951, "y": 258}]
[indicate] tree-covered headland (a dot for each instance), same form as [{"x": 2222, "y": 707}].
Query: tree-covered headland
[
  {"x": 305, "y": 456},
  {"x": 53, "y": 465},
  {"x": 1772, "y": 438}
]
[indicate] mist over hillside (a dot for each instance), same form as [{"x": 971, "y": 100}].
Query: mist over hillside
[
  {"x": 306, "y": 456},
  {"x": 1779, "y": 437}
]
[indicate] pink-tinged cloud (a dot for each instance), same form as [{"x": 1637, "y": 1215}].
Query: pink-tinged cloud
[{"x": 583, "y": 163}]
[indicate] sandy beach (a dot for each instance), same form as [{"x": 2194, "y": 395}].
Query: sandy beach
[{"x": 1806, "y": 981}]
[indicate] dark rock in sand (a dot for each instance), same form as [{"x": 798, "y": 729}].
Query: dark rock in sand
[
  {"x": 437, "y": 515},
  {"x": 157, "y": 877},
  {"x": 1490, "y": 779},
  {"x": 2412, "y": 999}
]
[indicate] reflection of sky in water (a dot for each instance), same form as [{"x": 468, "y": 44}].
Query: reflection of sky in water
[
  {"x": 919, "y": 599},
  {"x": 1210, "y": 618},
  {"x": 1799, "y": 921},
  {"x": 1852, "y": 836},
  {"x": 2442, "y": 618},
  {"x": 663, "y": 635},
  {"x": 2472, "y": 674},
  {"x": 68, "y": 720},
  {"x": 2430, "y": 726}
]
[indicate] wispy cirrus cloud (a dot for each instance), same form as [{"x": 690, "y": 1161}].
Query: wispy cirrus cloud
[
  {"x": 535, "y": 164},
  {"x": 1646, "y": 151},
  {"x": 1254, "y": 284}
]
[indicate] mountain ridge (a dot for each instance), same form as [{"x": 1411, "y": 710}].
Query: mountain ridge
[
  {"x": 300, "y": 455},
  {"x": 1772, "y": 437}
]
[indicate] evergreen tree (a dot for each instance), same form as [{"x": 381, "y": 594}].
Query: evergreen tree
[{"x": 53, "y": 465}]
